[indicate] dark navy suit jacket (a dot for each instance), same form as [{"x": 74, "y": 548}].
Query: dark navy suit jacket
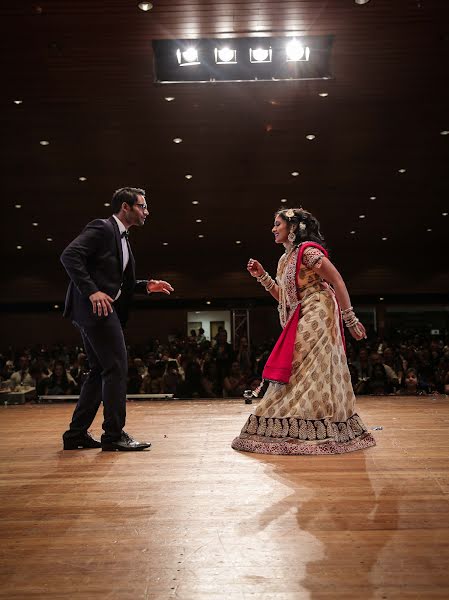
[{"x": 94, "y": 262}]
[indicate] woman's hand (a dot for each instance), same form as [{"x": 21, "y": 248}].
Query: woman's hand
[
  {"x": 357, "y": 331},
  {"x": 255, "y": 268}
]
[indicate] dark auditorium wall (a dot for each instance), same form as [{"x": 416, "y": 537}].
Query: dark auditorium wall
[{"x": 26, "y": 329}]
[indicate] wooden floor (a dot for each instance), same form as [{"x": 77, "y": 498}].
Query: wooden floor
[{"x": 193, "y": 519}]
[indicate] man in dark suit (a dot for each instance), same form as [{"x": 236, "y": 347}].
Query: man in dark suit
[{"x": 101, "y": 268}]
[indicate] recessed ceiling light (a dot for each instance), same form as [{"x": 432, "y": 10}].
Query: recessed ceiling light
[
  {"x": 372, "y": 197},
  {"x": 165, "y": 243},
  {"x": 49, "y": 239},
  {"x": 402, "y": 170},
  {"x": 82, "y": 178},
  {"x": 444, "y": 214},
  {"x": 362, "y": 216},
  {"x": 323, "y": 94},
  {"x": 199, "y": 220},
  {"x": 295, "y": 173},
  {"x": 444, "y": 132},
  {"x": 56, "y": 306},
  {"x": 19, "y": 247},
  {"x": 169, "y": 98},
  {"x": 310, "y": 136},
  {"x": 283, "y": 200},
  {"x": 17, "y": 206},
  {"x": 352, "y": 232},
  {"x": 107, "y": 204},
  {"x": 384, "y": 239},
  {"x": 195, "y": 202},
  {"x": 238, "y": 242},
  {"x": 361, "y": 2},
  {"x": 177, "y": 140},
  {"x": 188, "y": 176},
  {"x": 381, "y": 299},
  {"x": 145, "y": 6},
  {"x": 18, "y": 101},
  {"x": 429, "y": 229},
  {"x": 208, "y": 302},
  {"x": 201, "y": 235},
  {"x": 35, "y": 224},
  {"x": 44, "y": 142}
]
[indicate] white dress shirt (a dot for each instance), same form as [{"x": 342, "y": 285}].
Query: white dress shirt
[{"x": 125, "y": 250}]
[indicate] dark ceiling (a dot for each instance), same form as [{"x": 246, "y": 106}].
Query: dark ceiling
[{"x": 84, "y": 73}]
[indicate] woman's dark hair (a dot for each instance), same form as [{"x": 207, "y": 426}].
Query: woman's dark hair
[
  {"x": 52, "y": 380},
  {"x": 310, "y": 233},
  {"x": 126, "y": 194},
  {"x": 411, "y": 370}
]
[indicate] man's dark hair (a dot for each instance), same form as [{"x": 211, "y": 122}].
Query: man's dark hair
[{"x": 126, "y": 194}]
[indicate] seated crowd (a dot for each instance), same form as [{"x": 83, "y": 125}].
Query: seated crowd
[{"x": 193, "y": 367}]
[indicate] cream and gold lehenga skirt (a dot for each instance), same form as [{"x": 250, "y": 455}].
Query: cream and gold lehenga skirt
[{"x": 315, "y": 412}]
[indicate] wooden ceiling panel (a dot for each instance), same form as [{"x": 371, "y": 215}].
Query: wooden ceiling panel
[{"x": 84, "y": 71}]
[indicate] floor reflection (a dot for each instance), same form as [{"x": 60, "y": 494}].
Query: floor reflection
[{"x": 333, "y": 525}]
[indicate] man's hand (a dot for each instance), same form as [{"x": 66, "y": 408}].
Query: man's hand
[
  {"x": 101, "y": 304},
  {"x": 157, "y": 285}
]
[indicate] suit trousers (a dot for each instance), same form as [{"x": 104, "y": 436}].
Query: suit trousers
[{"x": 107, "y": 380}]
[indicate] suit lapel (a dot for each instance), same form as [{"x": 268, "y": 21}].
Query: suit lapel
[
  {"x": 118, "y": 241},
  {"x": 132, "y": 262}
]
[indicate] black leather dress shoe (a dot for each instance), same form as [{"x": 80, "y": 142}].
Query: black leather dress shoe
[
  {"x": 82, "y": 441},
  {"x": 125, "y": 444}
]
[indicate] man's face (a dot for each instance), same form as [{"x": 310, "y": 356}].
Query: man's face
[
  {"x": 23, "y": 363},
  {"x": 137, "y": 213}
]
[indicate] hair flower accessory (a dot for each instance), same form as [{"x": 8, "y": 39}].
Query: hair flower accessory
[
  {"x": 290, "y": 213},
  {"x": 302, "y": 226}
]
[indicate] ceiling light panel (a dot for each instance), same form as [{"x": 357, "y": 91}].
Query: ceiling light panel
[{"x": 242, "y": 59}]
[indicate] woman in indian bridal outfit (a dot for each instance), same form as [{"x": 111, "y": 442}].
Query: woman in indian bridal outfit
[{"x": 309, "y": 405}]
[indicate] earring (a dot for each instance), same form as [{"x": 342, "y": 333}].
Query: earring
[{"x": 291, "y": 237}]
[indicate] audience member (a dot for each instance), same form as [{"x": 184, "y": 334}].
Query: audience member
[
  {"x": 22, "y": 375},
  {"x": 60, "y": 383}
]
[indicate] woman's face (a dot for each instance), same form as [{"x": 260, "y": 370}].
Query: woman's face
[
  {"x": 411, "y": 380},
  {"x": 280, "y": 230},
  {"x": 59, "y": 371},
  {"x": 235, "y": 368}
]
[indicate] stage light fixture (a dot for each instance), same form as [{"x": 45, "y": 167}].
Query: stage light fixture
[
  {"x": 187, "y": 57},
  {"x": 260, "y": 55},
  {"x": 297, "y": 52},
  {"x": 225, "y": 56},
  {"x": 291, "y": 57},
  {"x": 145, "y": 6}
]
